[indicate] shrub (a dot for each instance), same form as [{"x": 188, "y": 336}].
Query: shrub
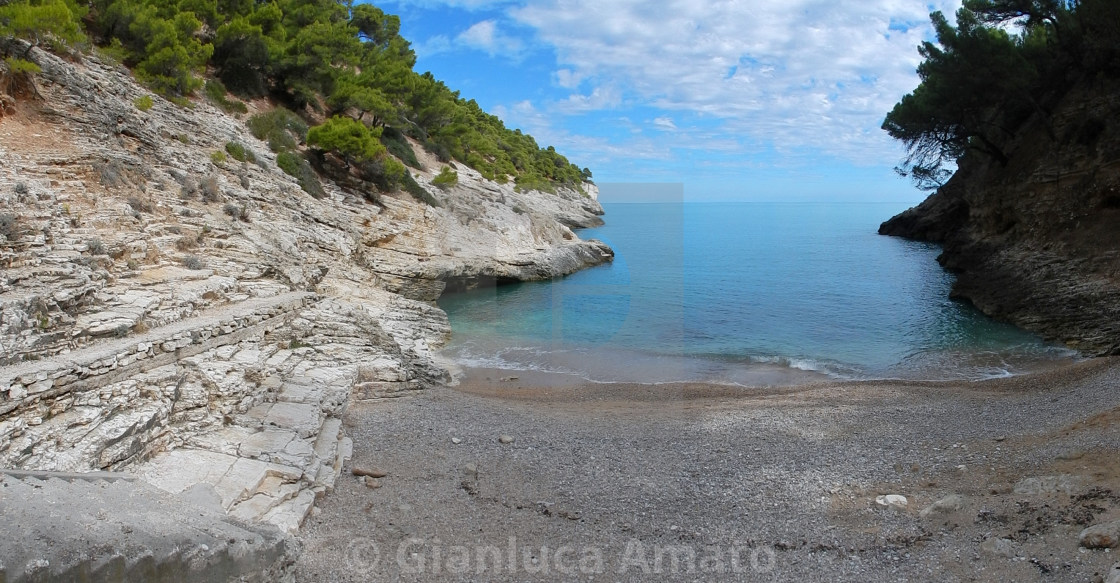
[
  {"x": 218, "y": 157},
  {"x": 529, "y": 181},
  {"x": 95, "y": 247},
  {"x": 189, "y": 188},
  {"x": 140, "y": 205},
  {"x": 211, "y": 192},
  {"x": 186, "y": 243},
  {"x": 216, "y": 92},
  {"x": 193, "y": 262},
  {"x": 395, "y": 142},
  {"x": 20, "y": 188},
  {"x": 21, "y": 67},
  {"x": 385, "y": 173},
  {"x": 280, "y": 128},
  {"x": 111, "y": 174},
  {"x": 418, "y": 192},
  {"x": 240, "y": 213},
  {"x": 143, "y": 103},
  {"x": 446, "y": 178},
  {"x": 11, "y": 228},
  {"x": 351, "y": 139},
  {"x": 297, "y": 167},
  {"x": 239, "y": 152}
]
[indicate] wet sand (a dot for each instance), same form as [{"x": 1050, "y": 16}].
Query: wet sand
[{"x": 695, "y": 482}]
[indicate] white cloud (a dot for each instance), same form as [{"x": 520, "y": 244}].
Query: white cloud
[
  {"x": 486, "y": 37},
  {"x": 579, "y": 148},
  {"x": 433, "y": 46},
  {"x": 567, "y": 79},
  {"x": 796, "y": 74},
  {"x": 482, "y": 36},
  {"x": 602, "y": 97},
  {"x": 665, "y": 123}
]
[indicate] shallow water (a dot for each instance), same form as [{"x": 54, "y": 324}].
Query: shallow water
[{"x": 744, "y": 293}]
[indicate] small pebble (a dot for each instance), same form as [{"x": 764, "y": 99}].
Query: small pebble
[
  {"x": 372, "y": 483},
  {"x": 505, "y": 439},
  {"x": 456, "y": 440}
]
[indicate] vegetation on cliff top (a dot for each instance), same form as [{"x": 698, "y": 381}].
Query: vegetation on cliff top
[
  {"x": 329, "y": 56},
  {"x": 984, "y": 79}
]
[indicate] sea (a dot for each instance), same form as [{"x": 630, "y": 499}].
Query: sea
[{"x": 744, "y": 293}]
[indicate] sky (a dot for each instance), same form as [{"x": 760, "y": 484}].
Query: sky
[{"x": 757, "y": 100}]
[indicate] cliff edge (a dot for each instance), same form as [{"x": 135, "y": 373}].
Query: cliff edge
[
  {"x": 1036, "y": 242},
  {"x": 200, "y": 324}
]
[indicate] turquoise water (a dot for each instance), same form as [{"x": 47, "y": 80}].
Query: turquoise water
[{"x": 745, "y": 293}]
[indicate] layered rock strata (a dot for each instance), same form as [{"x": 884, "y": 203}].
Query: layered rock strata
[{"x": 201, "y": 325}]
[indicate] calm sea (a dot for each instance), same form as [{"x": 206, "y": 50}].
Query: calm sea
[{"x": 743, "y": 293}]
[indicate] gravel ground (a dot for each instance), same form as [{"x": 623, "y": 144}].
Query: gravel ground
[{"x": 710, "y": 483}]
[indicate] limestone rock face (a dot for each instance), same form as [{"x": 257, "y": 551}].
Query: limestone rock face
[
  {"x": 204, "y": 326},
  {"x": 1035, "y": 242}
]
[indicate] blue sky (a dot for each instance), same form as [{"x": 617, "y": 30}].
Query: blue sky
[{"x": 736, "y": 99}]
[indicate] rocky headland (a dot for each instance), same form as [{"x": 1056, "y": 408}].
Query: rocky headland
[
  {"x": 192, "y": 329},
  {"x": 1035, "y": 242}
]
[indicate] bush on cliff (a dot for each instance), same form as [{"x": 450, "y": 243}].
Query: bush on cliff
[
  {"x": 446, "y": 178},
  {"x": 344, "y": 57}
]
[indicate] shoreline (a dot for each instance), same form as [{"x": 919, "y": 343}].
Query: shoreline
[
  {"x": 471, "y": 377},
  {"x": 1000, "y": 477}
]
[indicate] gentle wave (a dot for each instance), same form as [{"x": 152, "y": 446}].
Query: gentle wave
[{"x": 749, "y": 294}]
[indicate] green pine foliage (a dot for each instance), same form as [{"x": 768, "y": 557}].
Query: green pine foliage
[
  {"x": 398, "y": 145},
  {"x": 282, "y": 129},
  {"x": 446, "y": 178},
  {"x": 334, "y": 56},
  {"x": 56, "y": 23},
  {"x": 239, "y": 152},
  {"x": 349, "y": 138},
  {"x": 297, "y": 167},
  {"x": 217, "y": 93},
  {"x": 1005, "y": 62}
]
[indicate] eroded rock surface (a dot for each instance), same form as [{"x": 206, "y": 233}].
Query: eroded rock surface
[{"x": 203, "y": 326}]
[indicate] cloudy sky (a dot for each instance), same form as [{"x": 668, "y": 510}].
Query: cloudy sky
[{"x": 736, "y": 99}]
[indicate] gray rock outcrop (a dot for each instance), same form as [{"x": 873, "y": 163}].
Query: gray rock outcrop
[{"x": 147, "y": 328}]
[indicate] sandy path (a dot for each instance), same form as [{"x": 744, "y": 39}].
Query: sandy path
[{"x": 694, "y": 482}]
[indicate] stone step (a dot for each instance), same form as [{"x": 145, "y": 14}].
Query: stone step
[
  {"x": 67, "y": 476},
  {"x": 250, "y": 484},
  {"x": 127, "y": 531},
  {"x": 19, "y": 380}
]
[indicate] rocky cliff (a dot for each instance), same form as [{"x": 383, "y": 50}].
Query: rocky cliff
[
  {"x": 203, "y": 324},
  {"x": 1037, "y": 242}
]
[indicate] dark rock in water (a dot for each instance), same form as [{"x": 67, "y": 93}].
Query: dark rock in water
[{"x": 1036, "y": 242}]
